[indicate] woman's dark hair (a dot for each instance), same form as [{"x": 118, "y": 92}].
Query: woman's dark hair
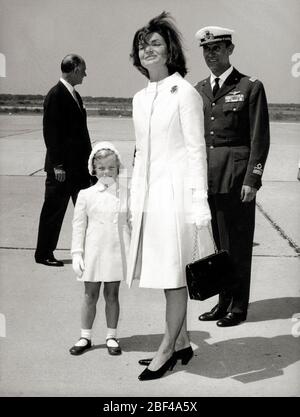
[{"x": 173, "y": 38}]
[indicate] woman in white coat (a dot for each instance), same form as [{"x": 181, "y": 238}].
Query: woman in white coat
[{"x": 169, "y": 182}]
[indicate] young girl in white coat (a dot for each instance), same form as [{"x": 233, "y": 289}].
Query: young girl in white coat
[{"x": 99, "y": 244}]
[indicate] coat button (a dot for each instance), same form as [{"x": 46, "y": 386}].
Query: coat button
[
  {"x": 212, "y": 118},
  {"x": 212, "y": 132},
  {"x": 211, "y": 147},
  {"x": 213, "y": 104},
  {"x": 234, "y": 109}
]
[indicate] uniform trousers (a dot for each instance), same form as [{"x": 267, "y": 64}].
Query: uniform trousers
[
  {"x": 233, "y": 225},
  {"x": 57, "y": 197}
]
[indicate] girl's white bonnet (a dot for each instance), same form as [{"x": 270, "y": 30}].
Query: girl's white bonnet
[{"x": 97, "y": 147}]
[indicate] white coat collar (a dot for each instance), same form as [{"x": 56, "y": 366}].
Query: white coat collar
[
  {"x": 101, "y": 187},
  {"x": 167, "y": 82}
]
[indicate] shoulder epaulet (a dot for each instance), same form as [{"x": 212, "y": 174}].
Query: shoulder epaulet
[
  {"x": 200, "y": 83},
  {"x": 252, "y": 79}
]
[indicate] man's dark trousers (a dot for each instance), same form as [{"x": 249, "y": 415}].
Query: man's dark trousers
[
  {"x": 233, "y": 225},
  {"x": 57, "y": 197}
]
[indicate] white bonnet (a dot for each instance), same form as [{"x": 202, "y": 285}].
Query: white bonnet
[{"x": 97, "y": 147}]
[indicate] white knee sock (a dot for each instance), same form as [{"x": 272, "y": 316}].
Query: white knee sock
[
  {"x": 111, "y": 333},
  {"x": 87, "y": 334}
]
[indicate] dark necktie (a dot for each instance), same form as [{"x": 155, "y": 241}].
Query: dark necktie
[
  {"x": 75, "y": 98},
  {"x": 216, "y": 86}
]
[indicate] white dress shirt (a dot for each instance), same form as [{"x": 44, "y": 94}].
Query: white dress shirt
[
  {"x": 71, "y": 90},
  {"x": 221, "y": 77}
]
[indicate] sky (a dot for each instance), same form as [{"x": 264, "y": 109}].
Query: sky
[{"x": 36, "y": 34}]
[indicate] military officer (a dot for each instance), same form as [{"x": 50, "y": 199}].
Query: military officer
[{"x": 237, "y": 137}]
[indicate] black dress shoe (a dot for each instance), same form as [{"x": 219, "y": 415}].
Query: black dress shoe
[
  {"x": 78, "y": 350},
  {"x": 114, "y": 350},
  {"x": 50, "y": 261},
  {"x": 215, "y": 314},
  {"x": 231, "y": 319},
  {"x": 146, "y": 375},
  {"x": 185, "y": 355}
]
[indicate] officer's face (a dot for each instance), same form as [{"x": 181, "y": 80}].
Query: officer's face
[{"x": 216, "y": 55}]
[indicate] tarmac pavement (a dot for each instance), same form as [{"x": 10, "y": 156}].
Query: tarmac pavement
[{"x": 40, "y": 306}]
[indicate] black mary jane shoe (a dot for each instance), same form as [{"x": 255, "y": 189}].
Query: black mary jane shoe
[
  {"x": 79, "y": 350},
  {"x": 147, "y": 374},
  {"x": 114, "y": 350},
  {"x": 185, "y": 355}
]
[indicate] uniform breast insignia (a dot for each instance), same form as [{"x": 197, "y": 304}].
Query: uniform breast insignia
[
  {"x": 258, "y": 169},
  {"x": 252, "y": 79},
  {"x": 234, "y": 96}
]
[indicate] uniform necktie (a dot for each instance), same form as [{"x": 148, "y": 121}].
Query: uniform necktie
[{"x": 216, "y": 86}]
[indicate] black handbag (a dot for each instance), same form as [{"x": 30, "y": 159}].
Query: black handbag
[{"x": 208, "y": 276}]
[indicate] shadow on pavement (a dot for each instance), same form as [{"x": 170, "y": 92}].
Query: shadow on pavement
[
  {"x": 139, "y": 343},
  {"x": 246, "y": 359},
  {"x": 66, "y": 261},
  {"x": 273, "y": 309}
]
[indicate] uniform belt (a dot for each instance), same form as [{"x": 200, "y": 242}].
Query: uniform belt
[{"x": 214, "y": 144}]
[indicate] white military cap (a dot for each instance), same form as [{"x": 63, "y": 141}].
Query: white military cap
[{"x": 211, "y": 34}]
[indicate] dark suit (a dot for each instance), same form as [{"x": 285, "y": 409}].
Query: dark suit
[
  {"x": 68, "y": 146},
  {"x": 237, "y": 138}
]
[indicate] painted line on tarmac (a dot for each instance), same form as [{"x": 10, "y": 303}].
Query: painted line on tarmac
[
  {"x": 284, "y": 123},
  {"x": 22, "y": 132},
  {"x": 275, "y": 256},
  {"x": 35, "y": 172},
  {"x": 282, "y": 233},
  {"x": 68, "y": 249},
  {"x": 22, "y": 248}
]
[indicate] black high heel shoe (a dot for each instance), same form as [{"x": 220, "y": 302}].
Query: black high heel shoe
[
  {"x": 185, "y": 355},
  {"x": 147, "y": 374}
]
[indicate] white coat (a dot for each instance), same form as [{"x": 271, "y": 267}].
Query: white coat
[
  {"x": 169, "y": 182},
  {"x": 101, "y": 232}
]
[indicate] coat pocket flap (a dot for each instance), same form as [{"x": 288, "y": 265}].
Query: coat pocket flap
[{"x": 235, "y": 106}]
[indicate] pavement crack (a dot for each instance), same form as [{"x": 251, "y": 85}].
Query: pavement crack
[{"x": 281, "y": 232}]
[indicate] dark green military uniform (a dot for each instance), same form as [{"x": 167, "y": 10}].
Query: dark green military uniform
[{"x": 237, "y": 138}]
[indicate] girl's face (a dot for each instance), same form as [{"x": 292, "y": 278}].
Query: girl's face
[
  {"x": 106, "y": 167},
  {"x": 153, "y": 51}
]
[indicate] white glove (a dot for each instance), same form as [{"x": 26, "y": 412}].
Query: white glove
[
  {"x": 202, "y": 221},
  {"x": 77, "y": 264},
  {"x": 200, "y": 208}
]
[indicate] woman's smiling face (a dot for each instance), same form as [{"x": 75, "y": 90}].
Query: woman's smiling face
[{"x": 153, "y": 51}]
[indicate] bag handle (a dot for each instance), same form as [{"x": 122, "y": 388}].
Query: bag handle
[{"x": 196, "y": 254}]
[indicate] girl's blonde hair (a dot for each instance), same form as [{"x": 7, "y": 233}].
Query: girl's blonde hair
[{"x": 103, "y": 153}]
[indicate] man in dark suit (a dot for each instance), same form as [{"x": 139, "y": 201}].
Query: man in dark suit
[
  {"x": 237, "y": 137},
  {"x": 68, "y": 148}
]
